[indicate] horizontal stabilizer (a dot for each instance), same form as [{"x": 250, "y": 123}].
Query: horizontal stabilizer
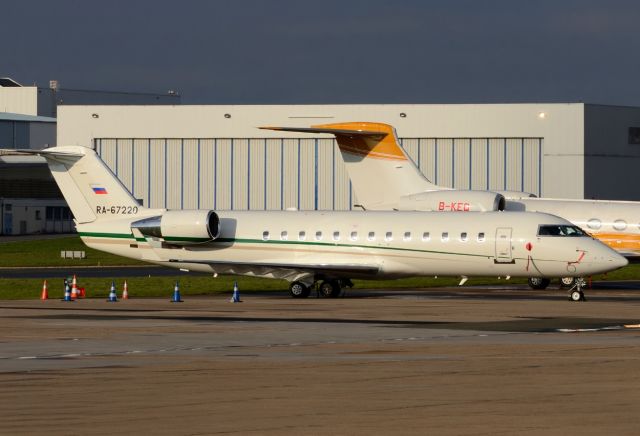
[
  {"x": 44, "y": 152},
  {"x": 332, "y": 131}
]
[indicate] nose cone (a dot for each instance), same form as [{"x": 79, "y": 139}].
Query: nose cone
[
  {"x": 611, "y": 259},
  {"x": 619, "y": 261}
]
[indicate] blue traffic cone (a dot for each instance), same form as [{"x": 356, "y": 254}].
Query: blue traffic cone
[
  {"x": 235, "y": 298},
  {"x": 67, "y": 292},
  {"x": 113, "y": 297},
  {"x": 176, "y": 294}
]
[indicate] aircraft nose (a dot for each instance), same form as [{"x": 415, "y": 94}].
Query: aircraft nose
[
  {"x": 619, "y": 261},
  {"x": 612, "y": 258}
]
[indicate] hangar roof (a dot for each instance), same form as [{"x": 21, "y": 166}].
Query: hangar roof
[{"x": 8, "y": 116}]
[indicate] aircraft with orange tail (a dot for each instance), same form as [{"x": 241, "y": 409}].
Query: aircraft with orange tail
[{"x": 384, "y": 177}]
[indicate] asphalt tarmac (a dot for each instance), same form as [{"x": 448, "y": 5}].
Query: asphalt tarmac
[{"x": 443, "y": 361}]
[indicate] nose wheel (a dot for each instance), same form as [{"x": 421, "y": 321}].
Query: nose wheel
[{"x": 575, "y": 292}]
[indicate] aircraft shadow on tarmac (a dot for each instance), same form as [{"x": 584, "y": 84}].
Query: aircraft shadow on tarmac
[{"x": 523, "y": 325}]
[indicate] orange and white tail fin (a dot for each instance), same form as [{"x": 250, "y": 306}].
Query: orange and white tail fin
[{"x": 379, "y": 168}]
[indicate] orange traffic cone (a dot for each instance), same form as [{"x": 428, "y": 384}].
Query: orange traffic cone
[
  {"x": 45, "y": 291},
  {"x": 125, "y": 291},
  {"x": 74, "y": 288}
]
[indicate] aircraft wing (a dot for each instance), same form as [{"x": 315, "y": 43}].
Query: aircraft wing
[{"x": 285, "y": 270}]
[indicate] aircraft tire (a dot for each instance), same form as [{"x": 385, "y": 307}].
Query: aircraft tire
[
  {"x": 330, "y": 289},
  {"x": 538, "y": 283},
  {"x": 567, "y": 282},
  {"x": 299, "y": 290},
  {"x": 577, "y": 296}
]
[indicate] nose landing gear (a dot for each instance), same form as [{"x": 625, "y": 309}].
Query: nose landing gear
[{"x": 575, "y": 292}]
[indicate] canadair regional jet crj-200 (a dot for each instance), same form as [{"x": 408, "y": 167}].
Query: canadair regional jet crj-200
[
  {"x": 329, "y": 248},
  {"x": 384, "y": 177}
]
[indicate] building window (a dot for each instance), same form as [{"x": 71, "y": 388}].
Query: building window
[
  {"x": 38, "y": 215},
  {"x": 634, "y": 135}
]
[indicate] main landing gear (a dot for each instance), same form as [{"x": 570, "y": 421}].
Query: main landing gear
[
  {"x": 576, "y": 293},
  {"x": 567, "y": 282},
  {"x": 538, "y": 283},
  {"x": 327, "y": 288},
  {"x": 299, "y": 290}
]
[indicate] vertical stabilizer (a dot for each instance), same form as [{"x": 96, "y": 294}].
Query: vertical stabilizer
[
  {"x": 379, "y": 168},
  {"x": 89, "y": 187}
]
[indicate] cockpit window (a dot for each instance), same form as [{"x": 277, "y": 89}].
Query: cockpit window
[{"x": 560, "y": 230}]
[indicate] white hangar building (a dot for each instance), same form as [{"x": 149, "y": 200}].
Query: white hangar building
[{"x": 183, "y": 157}]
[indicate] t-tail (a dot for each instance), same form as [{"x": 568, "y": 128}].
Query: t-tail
[
  {"x": 380, "y": 170},
  {"x": 384, "y": 177},
  {"x": 91, "y": 190}
]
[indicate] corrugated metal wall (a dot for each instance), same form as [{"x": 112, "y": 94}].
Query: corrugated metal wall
[{"x": 307, "y": 174}]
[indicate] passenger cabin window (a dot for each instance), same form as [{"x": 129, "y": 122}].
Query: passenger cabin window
[
  {"x": 388, "y": 236},
  {"x": 284, "y": 235},
  {"x": 336, "y": 235},
  {"x": 445, "y": 236},
  {"x": 426, "y": 237},
  {"x": 464, "y": 237},
  {"x": 302, "y": 235},
  {"x": 406, "y": 236},
  {"x": 265, "y": 235},
  {"x": 354, "y": 236},
  {"x": 371, "y": 236},
  {"x": 619, "y": 224},
  {"x": 319, "y": 235},
  {"x": 559, "y": 230},
  {"x": 481, "y": 237},
  {"x": 594, "y": 224}
]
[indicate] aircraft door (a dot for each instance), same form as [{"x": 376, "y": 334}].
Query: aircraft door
[{"x": 503, "y": 245}]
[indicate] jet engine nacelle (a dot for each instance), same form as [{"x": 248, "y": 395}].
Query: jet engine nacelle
[
  {"x": 515, "y": 195},
  {"x": 181, "y": 227},
  {"x": 454, "y": 201}
]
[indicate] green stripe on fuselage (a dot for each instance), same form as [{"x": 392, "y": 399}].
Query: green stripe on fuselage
[{"x": 270, "y": 242}]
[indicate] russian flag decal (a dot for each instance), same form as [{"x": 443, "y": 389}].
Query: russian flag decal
[{"x": 99, "y": 190}]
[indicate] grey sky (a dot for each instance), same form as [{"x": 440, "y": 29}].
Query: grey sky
[{"x": 250, "y": 51}]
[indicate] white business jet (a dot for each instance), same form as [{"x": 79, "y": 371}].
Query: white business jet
[
  {"x": 384, "y": 177},
  {"x": 325, "y": 248}
]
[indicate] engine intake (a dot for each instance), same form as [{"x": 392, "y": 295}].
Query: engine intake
[{"x": 181, "y": 227}]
